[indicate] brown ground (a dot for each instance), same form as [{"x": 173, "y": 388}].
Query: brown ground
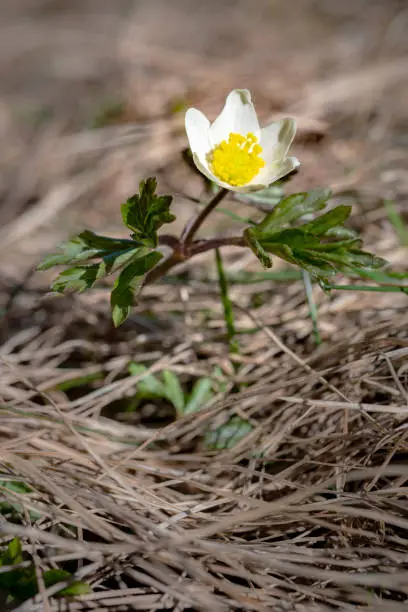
[{"x": 309, "y": 511}]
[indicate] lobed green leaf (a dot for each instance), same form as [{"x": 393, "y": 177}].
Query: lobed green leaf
[
  {"x": 144, "y": 213},
  {"x": 255, "y": 245},
  {"x": 293, "y": 208},
  {"x": 328, "y": 221},
  {"x": 54, "y": 576},
  {"x": 323, "y": 247},
  {"x": 173, "y": 390},
  {"x": 73, "y": 251},
  {"x": 228, "y": 434},
  {"x": 264, "y": 199},
  {"x": 201, "y": 393},
  {"x": 128, "y": 283},
  {"x": 77, "y": 279}
]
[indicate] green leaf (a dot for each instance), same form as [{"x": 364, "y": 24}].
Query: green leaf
[
  {"x": 73, "y": 251},
  {"x": 86, "y": 247},
  {"x": 397, "y": 221},
  {"x": 293, "y": 207},
  {"x": 79, "y": 381},
  {"x": 92, "y": 257},
  {"x": 329, "y": 220},
  {"x": 15, "y": 486},
  {"x": 395, "y": 279},
  {"x": 19, "y": 583},
  {"x": 77, "y": 279},
  {"x": 75, "y": 589},
  {"x": 323, "y": 247},
  {"x": 264, "y": 199},
  {"x": 149, "y": 386},
  {"x": 199, "y": 396},
  {"x": 135, "y": 369},
  {"x": 80, "y": 278},
  {"x": 144, "y": 213},
  {"x": 128, "y": 283},
  {"x": 169, "y": 388},
  {"x": 173, "y": 390},
  {"x": 14, "y": 553},
  {"x": 14, "y": 507},
  {"x": 105, "y": 243},
  {"x": 255, "y": 245},
  {"x": 114, "y": 254},
  {"x": 53, "y": 576},
  {"x": 228, "y": 434}
]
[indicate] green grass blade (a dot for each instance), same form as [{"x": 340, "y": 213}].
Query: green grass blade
[
  {"x": 173, "y": 390},
  {"x": 397, "y": 222},
  {"x": 226, "y": 302},
  {"x": 312, "y": 306}
]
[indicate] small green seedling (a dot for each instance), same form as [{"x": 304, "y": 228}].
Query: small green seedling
[{"x": 167, "y": 386}]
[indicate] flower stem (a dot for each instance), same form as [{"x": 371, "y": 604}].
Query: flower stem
[
  {"x": 199, "y": 246},
  {"x": 162, "y": 268},
  {"x": 185, "y": 248},
  {"x": 169, "y": 240},
  {"x": 194, "y": 225}
]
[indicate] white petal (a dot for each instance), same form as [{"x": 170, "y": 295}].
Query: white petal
[
  {"x": 250, "y": 187},
  {"x": 237, "y": 116},
  {"x": 276, "y": 139},
  {"x": 197, "y": 128},
  {"x": 275, "y": 171},
  {"x": 203, "y": 167}
]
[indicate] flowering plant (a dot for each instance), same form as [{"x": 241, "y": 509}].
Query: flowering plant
[
  {"x": 234, "y": 151},
  {"x": 236, "y": 155}
]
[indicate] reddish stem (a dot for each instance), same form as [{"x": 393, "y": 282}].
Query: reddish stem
[
  {"x": 185, "y": 248},
  {"x": 199, "y": 246},
  {"x": 169, "y": 240},
  {"x": 194, "y": 225}
]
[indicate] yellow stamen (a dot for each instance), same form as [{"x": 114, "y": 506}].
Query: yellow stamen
[{"x": 237, "y": 160}]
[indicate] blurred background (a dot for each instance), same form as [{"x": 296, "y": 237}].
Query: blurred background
[{"x": 93, "y": 95}]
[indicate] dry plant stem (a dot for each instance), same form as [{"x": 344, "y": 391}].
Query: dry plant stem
[{"x": 194, "y": 225}]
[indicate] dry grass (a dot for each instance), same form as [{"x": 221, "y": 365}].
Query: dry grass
[{"x": 308, "y": 512}]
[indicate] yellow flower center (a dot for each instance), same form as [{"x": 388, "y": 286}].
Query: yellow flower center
[{"x": 237, "y": 160}]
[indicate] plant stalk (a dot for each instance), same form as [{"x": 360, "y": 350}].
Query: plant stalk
[
  {"x": 200, "y": 246},
  {"x": 178, "y": 256},
  {"x": 194, "y": 225}
]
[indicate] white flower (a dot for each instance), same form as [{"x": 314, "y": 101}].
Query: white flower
[{"x": 234, "y": 151}]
